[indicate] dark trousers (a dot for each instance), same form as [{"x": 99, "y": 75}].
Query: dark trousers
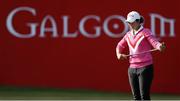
[{"x": 140, "y": 80}]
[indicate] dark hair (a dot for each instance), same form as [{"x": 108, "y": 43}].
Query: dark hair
[{"x": 141, "y": 20}]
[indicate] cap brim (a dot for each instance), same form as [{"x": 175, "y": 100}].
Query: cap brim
[{"x": 130, "y": 20}]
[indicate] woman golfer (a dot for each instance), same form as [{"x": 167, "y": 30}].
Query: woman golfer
[{"x": 139, "y": 40}]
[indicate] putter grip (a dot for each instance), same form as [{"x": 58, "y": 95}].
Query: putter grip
[{"x": 143, "y": 52}]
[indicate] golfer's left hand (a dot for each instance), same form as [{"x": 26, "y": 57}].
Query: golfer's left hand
[{"x": 162, "y": 47}]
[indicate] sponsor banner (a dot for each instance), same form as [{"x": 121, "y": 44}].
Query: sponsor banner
[{"x": 71, "y": 44}]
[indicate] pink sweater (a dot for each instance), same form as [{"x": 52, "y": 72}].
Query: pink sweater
[{"x": 142, "y": 41}]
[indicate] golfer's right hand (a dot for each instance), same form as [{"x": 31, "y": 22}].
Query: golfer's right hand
[
  {"x": 122, "y": 56},
  {"x": 162, "y": 47}
]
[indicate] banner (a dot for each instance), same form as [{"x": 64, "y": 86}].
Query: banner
[{"x": 71, "y": 44}]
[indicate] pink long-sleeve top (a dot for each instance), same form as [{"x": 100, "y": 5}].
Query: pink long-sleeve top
[{"x": 143, "y": 40}]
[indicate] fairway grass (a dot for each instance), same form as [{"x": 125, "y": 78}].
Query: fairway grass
[{"x": 14, "y": 93}]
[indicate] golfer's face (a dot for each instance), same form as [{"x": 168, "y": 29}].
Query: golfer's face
[{"x": 133, "y": 25}]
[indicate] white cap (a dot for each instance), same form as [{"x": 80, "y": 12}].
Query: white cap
[{"x": 132, "y": 16}]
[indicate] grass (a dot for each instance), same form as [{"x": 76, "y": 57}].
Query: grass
[{"x": 13, "y": 93}]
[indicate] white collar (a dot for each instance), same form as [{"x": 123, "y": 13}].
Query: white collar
[{"x": 135, "y": 32}]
